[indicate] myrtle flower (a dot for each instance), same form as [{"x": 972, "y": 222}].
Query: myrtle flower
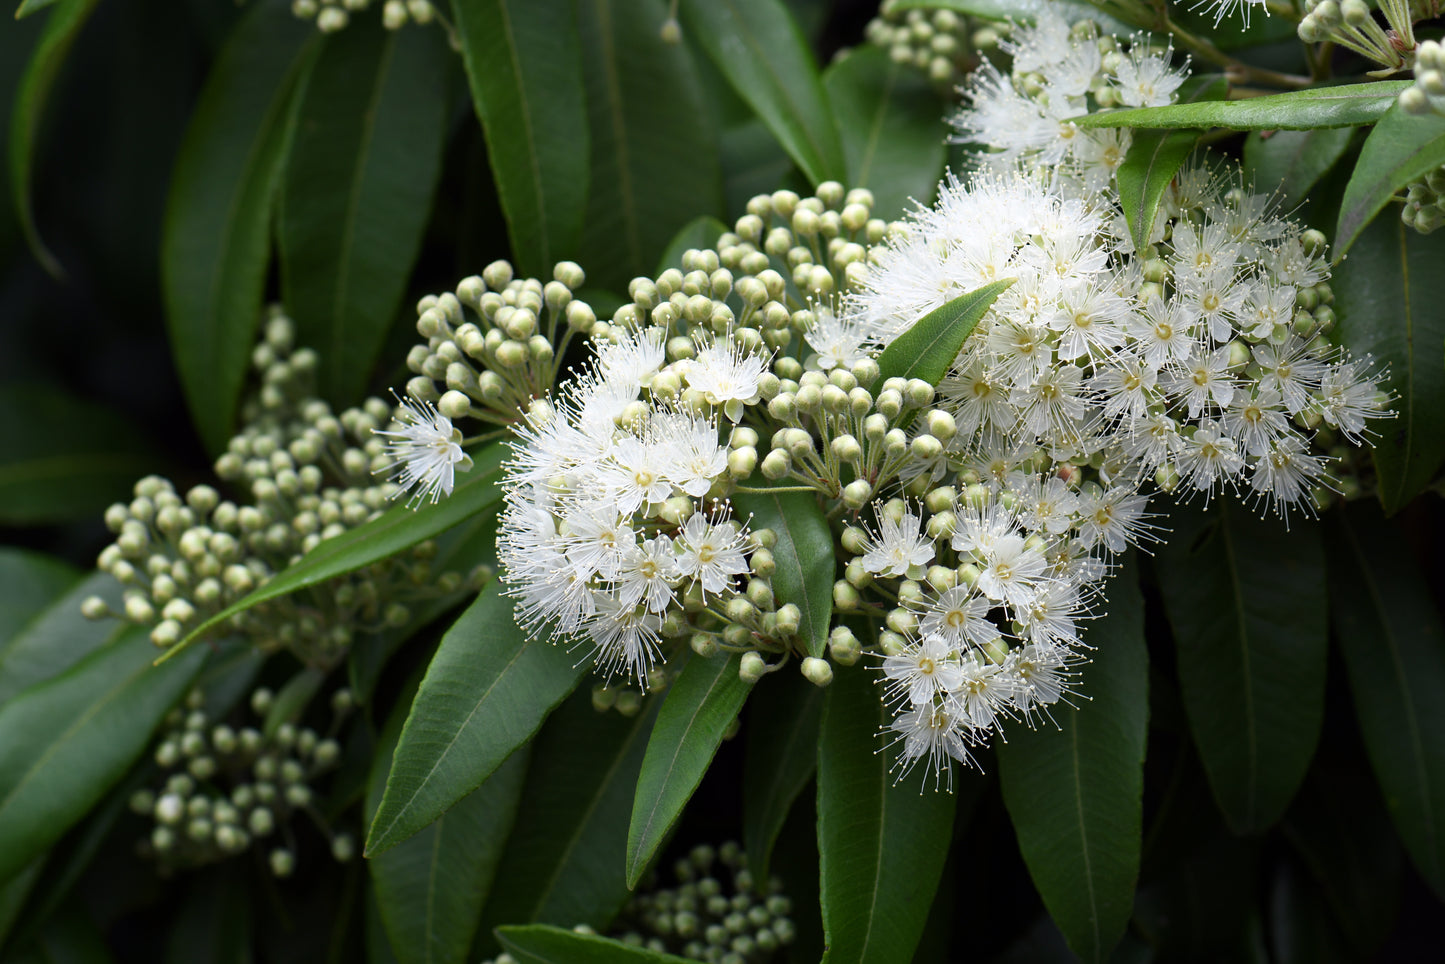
[{"x": 425, "y": 451}]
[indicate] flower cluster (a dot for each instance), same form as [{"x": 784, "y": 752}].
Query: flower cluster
[
  {"x": 334, "y": 15},
  {"x": 1351, "y": 24},
  {"x": 1424, "y": 208},
  {"x": 941, "y": 43},
  {"x": 1427, "y": 94}
]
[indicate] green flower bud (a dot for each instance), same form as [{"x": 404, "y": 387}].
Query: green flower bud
[
  {"x": 752, "y": 667},
  {"x": 282, "y": 862},
  {"x": 817, "y": 671}
]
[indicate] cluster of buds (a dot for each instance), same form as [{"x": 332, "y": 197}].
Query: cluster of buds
[
  {"x": 1427, "y": 94},
  {"x": 1351, "y": 24},
  {"x": 1424, "y": 208},
  {"x": 941, "y": 43},
  {"x": 224, "y": 789},
  {"x": 334, "y": 15}
]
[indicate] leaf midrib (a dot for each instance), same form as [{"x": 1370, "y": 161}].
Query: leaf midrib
[{"x": 1232, "y": 565}]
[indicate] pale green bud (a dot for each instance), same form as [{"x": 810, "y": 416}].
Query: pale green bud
[{"x": 752, "y": 667}]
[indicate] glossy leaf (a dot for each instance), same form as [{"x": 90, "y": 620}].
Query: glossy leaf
[
  {"x": 1390, "y": 632},
  {"x": 565, "y": 860},
  {"x": 654, "y": 140},
  {"x": 542, "y": 944},
  {"x": 524, "y": 63},
  {"x": 1075, "y": 794},
  {"x": 1348, "y": 105},
  {"x": 1243, "y": 597},
  {"x": 61, "y": 28},
  {"x": 1292, "y": 162},
  {"x": 782, "y": 754},
  {"x": 928, "y": 349},
  {"x": 1388, "y": 294},
  {"x": 487, "y": 690},
  {"x": 431, "y": 887},
  {"x": 398, "y": 528},
  {"x": 1402, "y": 148},
  {"x": 215, "y": 241},
  {"x": 29, "y": 582},
  {"x": 63, "y": 744},
  {"x": 757, "y": 46},
  {"x": 882, "y": 846},
  {"x": 699, "y": 707},
  {"x": 57, "y": 637},
  {"x": 357, "y": 192},
  {"x": 890, "y": 123},
  {"x": 806, "y": 566},
  {"x": 1154, "y": 157}
]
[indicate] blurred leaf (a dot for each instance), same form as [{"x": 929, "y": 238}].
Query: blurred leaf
[
  {"x": 378, "y": 945},
  {"x": 431, "y": 887},
  {"x": 29, "y": 582},
  {"x": 699, "y": 707},
  {"x": 753, "y": 163},
  {"x": 1243, "y": 597},
  {"x": 565, "y": 860},
  {"x": 357, "y": 192},
  {"x": 487, "y": 690},
  {"x": 57, "y": 637},
  {"x": 882, "y": 846},
  {"x": 61, "y": 28},
  {"x": 65, "y": 458},
  {"x": 1154, "y": 157},
  {"x": 928, "y": 349},
  {"x": 890, "y": 123},
  {"x": 70, "y": 938},
  {"x": 654, "y": 142},
  {"x": 14, "y": 891},
  {"x": 1393, "y": 641},
  {"x": 1388, "y": 294},
  {"x": 1348, "y": 105},
  {"x": 1292, "y": 162},
  {"x": 64, "y": 743},
  {"x": 212, "y": 925},
  {"x": 1302, "y": 929},
  {"x": 1076, "y": 794},
  {"x": 292, "y": 699},
  {"x": 757, "y": 46},
  {"x": 543, "y": 944},
  {"x": 1203, "y": 908},
  {"x": 1024, "y": 11},
  {"x": 782, "y": 753},
  {"x": 803, "y": 554},
  {"x": 400, "y": 527},
  {"x": 523, "y": 59},
  {"x": 700, "y": 233},
  {"x": 215, "y": 242},
  {"x": 1402, "y": 148}
]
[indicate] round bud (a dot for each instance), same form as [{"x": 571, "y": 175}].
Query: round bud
[
  {"x": 752, "y": 667},
  {"x": 282, "y": 862},
  {"x": 629, "y": 702},
  {"x": 817, "y": 671},
  {"x": 857, "y": 493}
]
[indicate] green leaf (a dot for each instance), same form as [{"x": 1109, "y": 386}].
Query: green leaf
[
  {"x": 63, "y": 743},
  {"x": 882, "y": 845},
  {"x": 699, "y": 233},
  {"x": 1243, "y": 597},
  {"x": 1393, "y": 641},
  {"x": 431, "y": 887},
  {"x": 1024, "y": 11},
  {"x": 357, "y": 191},
  {"x": 1348, "y": 105},
  {"x": 398, "y": 528},
  {"x": 890, "y": 123},
  {"x": 757, "y": 46},
  {"x": 1076, "y": 794},
  {"x": 61, "y": 28},
  {"x": 212, "y": 925},
  {"x": 1293, "y": 162},
  {"x": 655, "y": 157},
  {"x": 1388, "y": 294},
  {"x": 542, "y": 944},
  {"x": 804, "y": 555},
  {"x": 1154, "y": 157},
  {"x": 565, "y": 858},
  {"x": 928, "y": 349},
  {"x": 1402, "y": 148},
  {"x": 524, "y": 62},
  {"x": 215, "y": 239},
  {"x": 782, "y": 753},
  {"x": 487, "y": 690},
  {"x": 57, "y": 637},
  {"x": 14, "y": 891},
  {"x": 290, "y": 703},
  {"x": 699, "y": 707},
  {"x": 29, "y": 582}
]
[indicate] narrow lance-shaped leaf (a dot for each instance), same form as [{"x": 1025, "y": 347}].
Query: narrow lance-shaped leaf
[
  {"x": 1348, "y": 105},
  {"x": 1075, "y": 793},
  {"x": 215, "y": 240},
  {"x": 928, "y": 349},
  {"x": 524, "y": 62},
  {"x": 357, "y": 192},
  {"x": 57, "y": 637},
  {"x": 1292, "y": 162},
  {"x": 806, "y": 567},
  {"x": 487, "y": 690},
  {"x": 757, "y": 46},
  {"x": 1402, "y": 148},
  {"x": 29, "y": 582},
  {"x": 1243, "y": 597},
  {"x": 882, "y": 846},
  {"x": 782, "y": 754},
  {"x": 699, "y": 707},
  {"x": 541, "y": 944},
  {"x": 1390, "y": 632}
]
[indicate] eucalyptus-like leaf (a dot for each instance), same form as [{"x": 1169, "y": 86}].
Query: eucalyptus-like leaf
[
  {"x": 699, "y": 707},
  {"x": 524, "y": 63},
  {"x": 882, "y": 845},
  {"x": 1075, "y": 792},
  {"x": 29, "y": 582},
  {"x": 1388, "y": 298},
  {"x": 357, "y": 192},
  {"x": 782, "y": 753},
  {"x": 1243, "y": 597},
  {"x": 1292, "y": 162},
  {"x": 1348, "y": 105},
  {"x": 215, "y": 241},
  {"x": 927, "y": 350},
  {"x": 544, "y": 944},
  {"x": 758, "y": 47},
  {"x": 487, "y": 690},
  {"x": 57, "y": 636},
  {"x": 1402, "y": 148},
  {"x": 1389, "y": 629},
  {"x": 65, "y": 742},
  {"x": 806, "y": 565}
]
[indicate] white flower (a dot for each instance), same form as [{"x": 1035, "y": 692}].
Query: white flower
[
  {"x": 924, "y": 670},
  {"x": 1011, "y": 572},
  {"x": 727, "y": 374},
  {"x": 960, "y": 617},
  {"x": 899, "y": 546},
  {"x": 710, "y": 552},
  {"x": 1144, "y": 80},
  {"x": 932, "y": 732},
  {"x": 425, "y": 450}
]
